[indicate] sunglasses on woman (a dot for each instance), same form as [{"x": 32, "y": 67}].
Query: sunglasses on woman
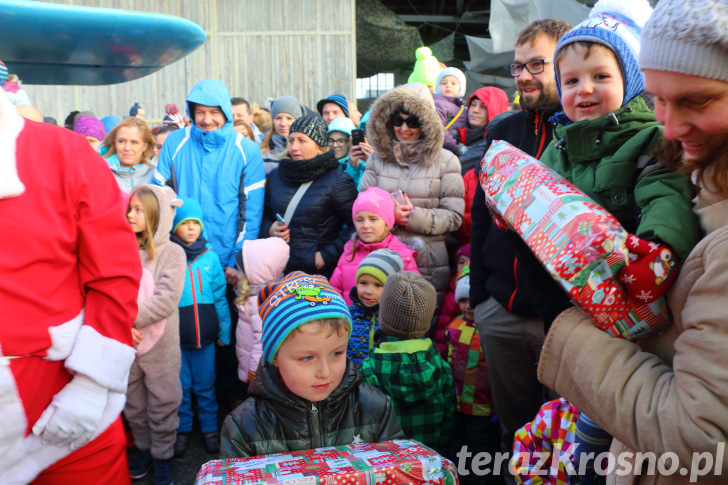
[{"x": 412, "y": 121}]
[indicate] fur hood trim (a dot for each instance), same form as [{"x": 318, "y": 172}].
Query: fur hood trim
[
  {"x": 168, "y": 203},
  {"x": 381, "y": 134}
]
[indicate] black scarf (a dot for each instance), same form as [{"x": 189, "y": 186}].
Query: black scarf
[
  {"x": 193, "y": 250},
  {"x": 297, "y": 172}
]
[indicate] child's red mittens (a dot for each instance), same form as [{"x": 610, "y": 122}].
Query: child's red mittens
[{"x": 651, "y": 270}]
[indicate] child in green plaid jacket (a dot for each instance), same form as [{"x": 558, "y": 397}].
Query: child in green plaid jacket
[{"x": 408, "y": 366}]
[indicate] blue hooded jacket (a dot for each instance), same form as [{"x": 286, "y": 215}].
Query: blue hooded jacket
[
  {"x": 204, "y": 314},
  {"x": 221, "y": 169}
]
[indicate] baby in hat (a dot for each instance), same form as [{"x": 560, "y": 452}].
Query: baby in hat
[
  {"x": 306, "y": 393},
  {"x": 407, "y": 365},
  {"x": 450, "y": 105}
]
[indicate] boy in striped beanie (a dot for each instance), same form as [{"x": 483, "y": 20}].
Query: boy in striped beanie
[{"x": 306, "y": 393}]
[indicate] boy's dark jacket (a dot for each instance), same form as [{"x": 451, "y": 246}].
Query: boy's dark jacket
[
  {"x": 274, "y": 420},
  {"x": 612, "y": 162},
  {"x": 494, "y": 268}
]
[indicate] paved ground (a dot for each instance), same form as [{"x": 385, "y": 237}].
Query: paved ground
[{"x": 184, "y": 469}]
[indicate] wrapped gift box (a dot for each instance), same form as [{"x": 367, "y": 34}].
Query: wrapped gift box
[
  {"x": 579, "y": 242},
  {"x": 397, "y": 462}
]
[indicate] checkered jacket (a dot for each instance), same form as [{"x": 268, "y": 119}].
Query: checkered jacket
[
  {"x": 469, "y": 369},
  {"x": 420, "y": 383}
]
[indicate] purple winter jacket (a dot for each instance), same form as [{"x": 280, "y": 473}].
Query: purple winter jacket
[{"x": 447, "y": 108}]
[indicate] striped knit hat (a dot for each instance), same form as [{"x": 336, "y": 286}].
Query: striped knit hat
[
  {"x": 337, "y": 99},
  {"x": 297, "y": 299},
  {"x": 380, "y": 264},
  {"x": 3, "y": 73}
]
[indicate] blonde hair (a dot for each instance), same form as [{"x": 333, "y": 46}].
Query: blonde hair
[
  {"x": 261, "y": 118},
  {"x": 243, "y": 289},
  {"x": 144, "y": 131},
  {"x": 335, "y": 325},
  {"x": 150, "y": 206}
]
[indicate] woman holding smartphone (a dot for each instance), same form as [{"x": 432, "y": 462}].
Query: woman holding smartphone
[
  {"x": 308, "y": 200},
  {"x": 409, "y": 161}
]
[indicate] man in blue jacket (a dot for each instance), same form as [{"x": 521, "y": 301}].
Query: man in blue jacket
[{"x": 223, "y": 170}]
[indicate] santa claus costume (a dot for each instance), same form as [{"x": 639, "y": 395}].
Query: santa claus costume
[{"x": 70, "y": 277}]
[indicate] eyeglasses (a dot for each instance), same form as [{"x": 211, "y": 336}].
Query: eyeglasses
[
  {"x": 412, "y": 121},
  {"x": 338, "y": 141},
  {"x": 534, "y": 67}
]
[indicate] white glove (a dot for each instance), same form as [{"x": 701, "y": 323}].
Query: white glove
[{"x": 74, "y": 413}]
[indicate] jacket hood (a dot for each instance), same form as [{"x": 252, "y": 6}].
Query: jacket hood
[
  {"x": 269, "y": 385},
  {"x": 379, "y": 128},
  {"x": 264, "y": 259},
  {"x": 494, "y": 99},
  {"x": 168, "y": 203},
  {"x": 211, "y": 92}
]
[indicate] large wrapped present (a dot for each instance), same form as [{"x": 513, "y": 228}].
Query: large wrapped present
[
  {"x": 397, "y": 462},
  {"x": 579, "y": 242}
]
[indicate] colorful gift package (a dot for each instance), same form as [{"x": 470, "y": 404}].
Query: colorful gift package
[
  {"x": 579, "y": 242},
  {"x": 397, "y": 462}
]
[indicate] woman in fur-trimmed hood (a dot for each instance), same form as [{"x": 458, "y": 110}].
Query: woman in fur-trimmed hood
[{"x": 407, "y": 137}]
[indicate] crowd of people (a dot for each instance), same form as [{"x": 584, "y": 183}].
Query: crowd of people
[{"x": 292, "y": 278}]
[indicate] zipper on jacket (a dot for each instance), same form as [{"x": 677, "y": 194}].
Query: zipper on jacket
[
  {"x": 194, "y": 306},
  {"x": 199, "y": 284},
  {"x": 316, "y": 434}
]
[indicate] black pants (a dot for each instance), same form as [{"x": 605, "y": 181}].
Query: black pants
[{"x": 229, "y": 388}]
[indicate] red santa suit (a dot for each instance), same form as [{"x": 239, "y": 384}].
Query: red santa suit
[{"x": 70, "y": 276}]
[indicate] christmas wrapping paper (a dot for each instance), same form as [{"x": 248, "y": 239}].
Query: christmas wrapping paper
[
  {"x": 579, "y": 242},
  {"x": 397, "y": 462}
]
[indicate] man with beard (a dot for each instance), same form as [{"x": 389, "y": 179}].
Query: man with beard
[{"x": 511, "y": 333}]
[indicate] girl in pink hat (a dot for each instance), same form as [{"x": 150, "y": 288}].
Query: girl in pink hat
[{"x": 373, "y": 214}]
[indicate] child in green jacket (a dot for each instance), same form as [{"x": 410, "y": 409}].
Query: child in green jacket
[
  {"x": 604, "y": 144},
  {"x": 408, "y": 366}
]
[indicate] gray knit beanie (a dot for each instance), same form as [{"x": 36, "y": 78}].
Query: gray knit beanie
[
  {"x": 286, "y": 104},
  {"x": 407, "y": 305},
  {"x": 312, "y": 126},
  {"x": 688, "y": 37},
  {"x": 380, "y": 264}
]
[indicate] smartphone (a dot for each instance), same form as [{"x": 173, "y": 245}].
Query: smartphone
[
  {"x": 357, "y": 136},
  {"x": 280, "y": 219},
  {"x": 398, "y": 195}
]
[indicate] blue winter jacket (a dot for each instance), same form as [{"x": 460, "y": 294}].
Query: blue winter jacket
[
  {"x": 221, "y": 169},
  {"x": 204, "y": 315}
]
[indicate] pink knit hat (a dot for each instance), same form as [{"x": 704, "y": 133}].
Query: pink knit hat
[{"x": 377, "y": 201}]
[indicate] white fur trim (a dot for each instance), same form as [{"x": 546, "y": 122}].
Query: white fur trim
[
  {"x": 33, "y": 456},
  {"x": 12, "y": 419},
  {"x": 11, "y": 124},
  {"x": 103, "y": 359},
  {"x": 636, "y": 10},
  {"x": 62, "y": 338}
]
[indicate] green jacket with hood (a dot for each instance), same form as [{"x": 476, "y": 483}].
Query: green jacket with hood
[
  {"x": 610, "y": 159},
  {"x": 420, "y": 382},
  {"x": 274, "y": 420}
]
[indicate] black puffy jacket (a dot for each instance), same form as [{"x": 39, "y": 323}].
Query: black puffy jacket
[
  {"x": 322, "y": 221},
  {"x": 274, "y": 420}
]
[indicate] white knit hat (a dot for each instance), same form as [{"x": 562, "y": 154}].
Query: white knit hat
[
  {"x": 456, "y": 73},
  {"x": 688, "y": 37}
]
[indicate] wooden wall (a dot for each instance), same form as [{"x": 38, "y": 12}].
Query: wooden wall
[{"x": 259, "y": 48}]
